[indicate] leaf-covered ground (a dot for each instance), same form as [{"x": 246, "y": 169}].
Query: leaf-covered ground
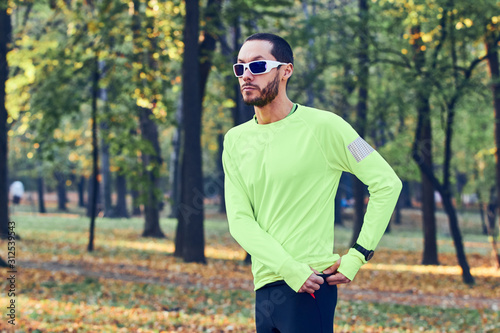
[{"x": 132, "y": 284}]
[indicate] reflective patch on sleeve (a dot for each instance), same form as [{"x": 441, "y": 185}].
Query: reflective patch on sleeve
[{"x": 360, "y": 149}]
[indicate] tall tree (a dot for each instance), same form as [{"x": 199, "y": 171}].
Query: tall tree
[
  {"x": 240, "y": 111},
  {"x": 422, "y": 152},
  {"x": 206, "y": 50},
  {"x": 491, "y": 41},
  {"x": 95, "y": 155},
  {"x": 191, "y": 209},
  {"x": 151, "y": 161},
  {"x": 5, "y": 35},
  {"x": 151, "y": 155},
  {"x": 459, "y": 77},
  {"x": 175, "y": 173},
  {"x": 451, "y": 103},
  {"x": 106, "y": 186}
]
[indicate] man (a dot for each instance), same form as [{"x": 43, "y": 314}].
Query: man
[
  {"x": 16, "y": 191},
  {"x": 282, "y": 173}
]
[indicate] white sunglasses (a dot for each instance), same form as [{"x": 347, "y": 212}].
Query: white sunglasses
[{"x": 256, "y": 67}]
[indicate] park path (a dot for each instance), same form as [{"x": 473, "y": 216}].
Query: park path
[{"x": 125, "y": 273}]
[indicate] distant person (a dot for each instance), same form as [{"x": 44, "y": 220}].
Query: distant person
[
  {"x": 16, "y": 191},
  {"x": 282, "y": 170}
]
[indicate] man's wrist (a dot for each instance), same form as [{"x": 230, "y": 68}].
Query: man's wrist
[
  {"x": 295, "y": 273},
  {"x": 351, "y": 263},
  {"x": 367, "y": 253}
]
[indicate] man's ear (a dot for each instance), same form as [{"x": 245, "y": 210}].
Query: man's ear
[{"x": 288, "y": 71}]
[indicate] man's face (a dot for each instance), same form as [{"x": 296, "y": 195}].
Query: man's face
[{"x": 258, "y": 90}]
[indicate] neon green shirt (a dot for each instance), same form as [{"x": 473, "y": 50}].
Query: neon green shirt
[{"x": 280, "y": 186}]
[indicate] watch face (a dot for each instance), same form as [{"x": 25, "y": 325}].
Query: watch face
[{"x": 370, "y": 255}]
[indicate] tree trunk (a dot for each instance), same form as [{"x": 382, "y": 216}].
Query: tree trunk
[
  {"x": 151, "y": 158},
  {"x": 41, "y": 200},
  {"x": 345, "y": 109},
  {"x": 397, "y": 212},
  {"x": 136, "y": 207},
  {"x": 430, "y": 253},
  {"x": 106, "y": 188},
  {"x": 358, "y": 208},
  {"x": 338, "y": 209},
  {"x": 424, "y": 129},
  {"x": 179, "y": 232},
  {"x": 5, "y": 35},
  {"x": 151, "y": 166},
  {"x": 361, "y": 114},
  {"x": 61, "y": 191},
  {"x": 175, "y": 170},
  {"x": 95, "y": 156},
  {"x": 389, "y": 226},
  {"x": 445, "y": 189},
  {"x": 423, "y": 140},
  {"x": 490, "y": 226},
  {"x": 241, "y": 112},
  {"x": 121, "y": 196},
  {"x": 457, "y": 239},
  {"x": 3, "y": 263},
  {"x": 422, "y": 154},
  {"x": 446, "y": 195},
  {"x": 207, "y": 48},
  {"x": 310, "y": 92},
  {"x": 40, "y": 190},
  {"x": 405, "y": 196},
  {"x": 81, "y": 191},
  {"x": 90, "y": 197},
  {"x": 191, "y": 210},
  {"x": 494, "y": 65},
  {"x": 482, "y": 215},
  {"x": 106, "y": 184}
]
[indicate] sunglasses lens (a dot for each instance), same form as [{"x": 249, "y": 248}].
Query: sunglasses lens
[
  {"x": 257, "y": 67},
  {"x": 238, "y": 69}
]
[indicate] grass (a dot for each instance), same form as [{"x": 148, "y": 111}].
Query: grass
[{"x": 134, "y": 284}]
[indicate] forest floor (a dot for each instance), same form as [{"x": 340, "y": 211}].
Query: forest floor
[{"x": 135, "y": 284}]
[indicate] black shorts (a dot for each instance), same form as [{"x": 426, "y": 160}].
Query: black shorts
[
  {"x": 16, "y": 200},
  {"x": 279, "y": 309}
]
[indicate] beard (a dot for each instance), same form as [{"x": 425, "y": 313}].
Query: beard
[{"x": 267, "y": 95}]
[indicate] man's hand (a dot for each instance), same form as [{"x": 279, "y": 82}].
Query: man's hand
[
  {"x": 312, "y": 283},
  {"x": 336, "y": 277}
]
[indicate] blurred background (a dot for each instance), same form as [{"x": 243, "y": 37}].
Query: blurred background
[{"x": 117, "y": 109}]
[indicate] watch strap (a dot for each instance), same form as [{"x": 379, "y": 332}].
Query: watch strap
[{"x": 367, "y": 253}]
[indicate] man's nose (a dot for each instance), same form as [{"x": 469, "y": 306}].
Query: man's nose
[{"x": 247, "y": 75}]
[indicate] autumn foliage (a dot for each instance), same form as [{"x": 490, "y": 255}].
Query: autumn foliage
[{"x": 134, "y": 284}]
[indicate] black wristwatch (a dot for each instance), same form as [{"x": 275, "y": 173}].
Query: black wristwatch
[{"x": 367, "y": 253}]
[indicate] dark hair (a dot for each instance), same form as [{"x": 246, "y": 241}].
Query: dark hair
[{"x": 281, "y": 49}]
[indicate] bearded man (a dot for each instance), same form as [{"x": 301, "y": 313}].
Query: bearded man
[{"x": 282, "y": 171}]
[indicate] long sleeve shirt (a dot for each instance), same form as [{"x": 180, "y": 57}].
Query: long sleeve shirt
[{"x": 281, "y": 180}]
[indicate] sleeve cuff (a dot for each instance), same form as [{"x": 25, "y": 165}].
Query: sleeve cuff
[
  {"x": 295, "y": 273},
  {"x": 351, "y": 263}
]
